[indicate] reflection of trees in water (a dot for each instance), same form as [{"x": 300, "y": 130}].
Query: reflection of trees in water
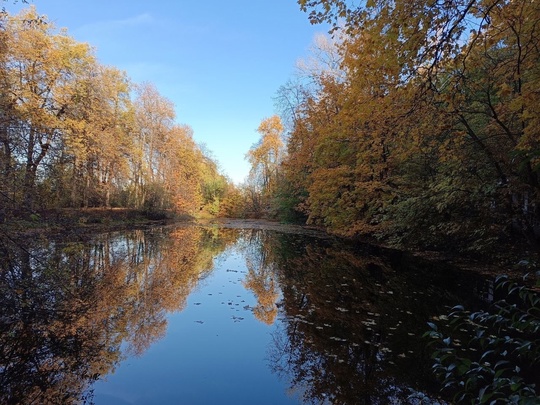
[
  {"x": 352, "y": 325},
  {"x": 261, "y": 277},
  {"x": 67, "y": 307}
]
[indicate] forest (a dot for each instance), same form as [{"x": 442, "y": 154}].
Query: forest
[
  {"x": 417, "y": 124},
  {"x": 414, "y": 123},
  {"x": 78, "y": 134}
]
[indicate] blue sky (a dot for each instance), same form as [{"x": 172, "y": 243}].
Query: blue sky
[{"x": 219, "y": 62}]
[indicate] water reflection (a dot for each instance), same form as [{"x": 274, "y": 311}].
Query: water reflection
[
  {"x": 345, "y": 323},
  {"x": 67, "y": 308},
  {"x": 261, "y": 278},
  {"x": 351, "y": 322}
]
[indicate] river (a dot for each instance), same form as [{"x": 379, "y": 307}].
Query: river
[{"x": 213, "y": 315}]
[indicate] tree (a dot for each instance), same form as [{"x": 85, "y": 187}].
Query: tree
[
  {"x": 265, "y": 158},
  {"x": 428, "y": 134},
  {"x": 266, "y": 155},
  {"x": 97, "y": 139},
  {"x": 182, "y": 170},
  {"x": 422, "y": 33},
  {"x": 154, "y": 117},
  {"x": 214, "y": 185},
  {"x": 75, "y": 133},
  {"x": 39, "y": 73}
]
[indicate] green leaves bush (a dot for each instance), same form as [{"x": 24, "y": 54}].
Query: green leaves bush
[{"x": 491, "y": 356}]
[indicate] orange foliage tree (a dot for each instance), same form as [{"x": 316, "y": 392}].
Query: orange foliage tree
[
  {"x": 428, "y": 135},
  {"x": 74, "y": 133}
]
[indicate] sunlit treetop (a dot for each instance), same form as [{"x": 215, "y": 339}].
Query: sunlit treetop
[{"x": 425, "y": 30}]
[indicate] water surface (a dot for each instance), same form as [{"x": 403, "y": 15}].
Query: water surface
[{"x": 219, "y": 316}]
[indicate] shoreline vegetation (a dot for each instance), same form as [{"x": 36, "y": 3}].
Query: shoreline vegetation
[
  {"x": 371, "y": 143},
  {"x": 78, "y": 222}
]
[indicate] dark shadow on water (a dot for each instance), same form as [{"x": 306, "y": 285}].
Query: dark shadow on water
[{"x": 353, "y": 317}]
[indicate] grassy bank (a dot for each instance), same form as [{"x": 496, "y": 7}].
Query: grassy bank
[{"x": 63, "y": 220}]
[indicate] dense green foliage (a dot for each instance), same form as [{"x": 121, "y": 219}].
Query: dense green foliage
[{"x": 493, "y": 355}]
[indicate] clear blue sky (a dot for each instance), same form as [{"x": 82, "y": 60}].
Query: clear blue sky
[{"x": 220, "y": 62}]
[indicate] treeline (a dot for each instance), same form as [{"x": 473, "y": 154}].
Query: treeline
[
  {"x": 419, "y": 123},
  {"x": 76, "y": 133}
]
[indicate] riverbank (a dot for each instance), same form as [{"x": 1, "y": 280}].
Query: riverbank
[
  {"x": 508, "y": 259},
  {"x": 67, "y": 220}
]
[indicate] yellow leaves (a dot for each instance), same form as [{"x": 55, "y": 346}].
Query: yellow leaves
[
  {"x": 106, "y": 146},
  {"x": 266, "y": 156},
  {"x": 421, "y": 112},
  {"x": 269, "y": 149},
  {"x": 331, "y": 197},
  {"x": 41, "y": 69},
  {"x": 505, "y": 90},
  {"x": 271, "y": 127}
]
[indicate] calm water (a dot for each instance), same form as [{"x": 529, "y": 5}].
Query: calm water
[{"x": 219, "y": 316}]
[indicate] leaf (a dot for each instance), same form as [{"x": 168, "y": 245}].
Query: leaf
[
  {"x": 500, "y": 363},
  {"x": 432, "y": 325}
]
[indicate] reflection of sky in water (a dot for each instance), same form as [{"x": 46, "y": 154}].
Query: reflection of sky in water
[{"x": 214, "y": 351}]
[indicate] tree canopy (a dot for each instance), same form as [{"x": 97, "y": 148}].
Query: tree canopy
[
  {"x": 75, "y": 133},
  {"x": 427, "y": 131}
]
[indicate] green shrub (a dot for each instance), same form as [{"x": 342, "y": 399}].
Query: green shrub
[{"x": 491, "y": 356}]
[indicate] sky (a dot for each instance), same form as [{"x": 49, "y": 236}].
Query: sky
[{"x": 220, "y": 62}]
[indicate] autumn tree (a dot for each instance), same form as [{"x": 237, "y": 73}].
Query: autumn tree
[
  {"x": 39, "y": 73},
  {"x": 7, "y": 169},
  {"x": 168, "y": 168},
  {"x": 495, "y": 108},
  {"x": 266, "y": 155},
  {"x": 312, "y": 153},
  {"x": 426, "y": 136},
  {"x": 154, "y": 117},
  {"x": 183, "y": 176},
  {"x": 75, "y": 133},
  {"x": 97, "y": 138},
  {"x": 215, "y": 185},
  {"x": 234, "y": 203},
  {"x": 265, "y": 158}
]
